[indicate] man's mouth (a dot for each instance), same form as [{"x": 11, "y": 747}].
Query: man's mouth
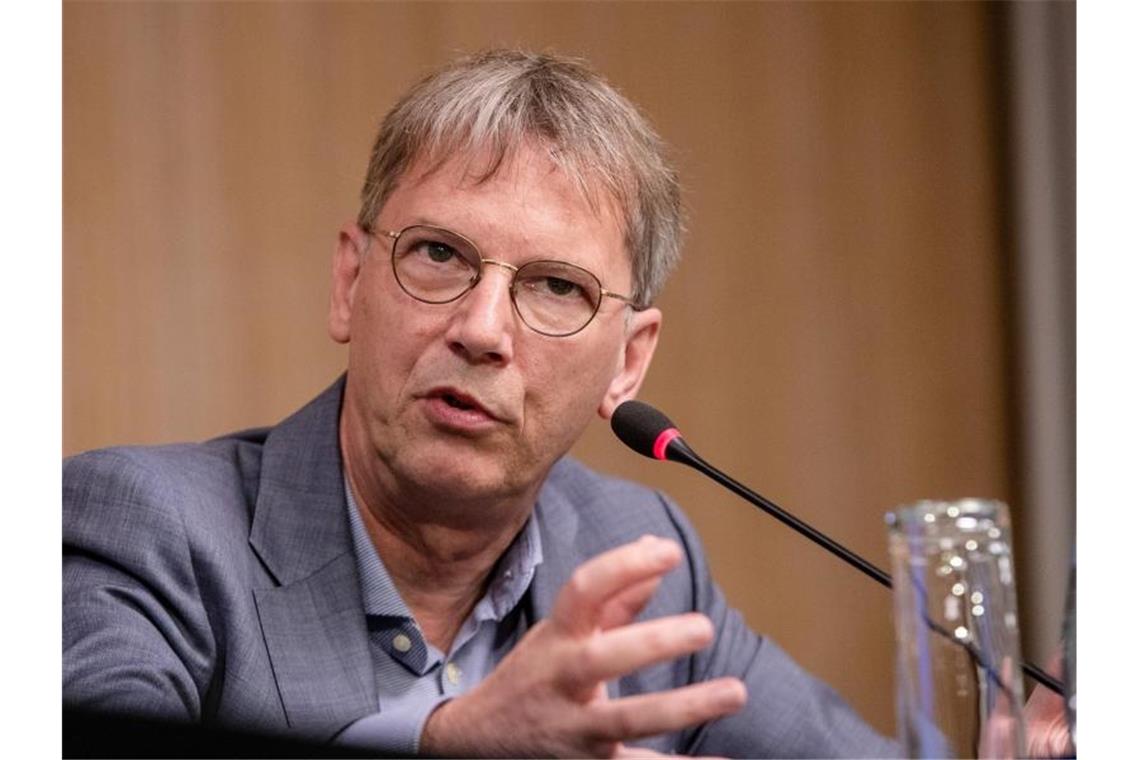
[
  {"x": 460, "y": 401},
  {"x": 457, "y": 402}
]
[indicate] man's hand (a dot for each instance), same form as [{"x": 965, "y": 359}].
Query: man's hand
[
  {"x": 548, "y": 696},
  {"x": 1046, "y": 727}
]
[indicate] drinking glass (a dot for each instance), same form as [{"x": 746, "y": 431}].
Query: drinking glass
[{"x": 958, "y": 658}]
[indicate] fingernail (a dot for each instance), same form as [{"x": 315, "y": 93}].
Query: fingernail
[
  {"x": 732, "y": 693},
  {"x": 700, "y": 627},
  {"x": 664, "y": 549}
]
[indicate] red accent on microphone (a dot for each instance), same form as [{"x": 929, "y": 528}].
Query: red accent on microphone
[{"x": 663, "y": 440}]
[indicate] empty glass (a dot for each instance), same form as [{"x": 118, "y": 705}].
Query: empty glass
[{"x": 958, "y": 661}]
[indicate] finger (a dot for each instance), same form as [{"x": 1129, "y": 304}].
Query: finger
[
  {"x": 628, "y": 604},
  {"x": 1003, "y": 702},
  {"x": 579, "y": 606},
  {"x": 1046, "y": 724},
  {"x": 1042, "y": 695},
  {"x": 1000, "y": 736},
  {"x": 614, "y": 653},
  {"x": 665, "y": 711},
  {"x": 631, "y": 753}
]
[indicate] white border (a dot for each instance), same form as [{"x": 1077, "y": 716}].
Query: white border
[
  {"x": 30, "y": 58},
  {"x": 1108, "y": 208}
]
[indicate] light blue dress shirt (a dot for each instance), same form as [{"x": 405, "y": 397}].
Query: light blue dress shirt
[{"x": 412, "y": 676}]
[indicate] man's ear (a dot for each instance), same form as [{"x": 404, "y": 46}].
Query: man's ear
[
  {"x": 640, "y": 343},
  {"x": 347, "y": 260}
]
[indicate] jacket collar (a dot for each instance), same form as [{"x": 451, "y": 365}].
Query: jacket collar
[
  {"x": 562, "y": 538},
  {"x": 312, "y": 621},
  {"x": 299, "y": 522}
]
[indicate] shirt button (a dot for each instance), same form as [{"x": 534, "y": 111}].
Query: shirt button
[
  {"x": 401, "y": 643},
  {"x": 453, "y": 673}
]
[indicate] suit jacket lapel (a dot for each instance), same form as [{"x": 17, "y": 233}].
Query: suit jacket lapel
[
  {"x": 313, "y": 621},
  {"x": 315, "y": 632},
  {"x": 559, "y": 527}
]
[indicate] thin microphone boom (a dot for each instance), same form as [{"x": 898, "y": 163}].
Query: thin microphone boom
[
  {"x": 694, "y": 460},
  {"x": 650, "y": 433}
]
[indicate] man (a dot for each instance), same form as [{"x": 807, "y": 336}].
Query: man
[{"x": 409, "y": 562}]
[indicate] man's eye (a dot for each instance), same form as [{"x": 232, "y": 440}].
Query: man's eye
[
  {"x": 560, "y": 287},
  {"x": 440, "y": 253}
]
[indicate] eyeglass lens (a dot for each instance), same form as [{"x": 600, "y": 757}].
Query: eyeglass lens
[{"x": 437, "y": 266}]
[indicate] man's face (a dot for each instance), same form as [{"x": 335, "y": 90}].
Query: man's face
[{"x": 463, "y": 400}]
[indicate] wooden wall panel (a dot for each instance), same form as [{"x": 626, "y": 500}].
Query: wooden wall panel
[{"x": 833, "y": 337}]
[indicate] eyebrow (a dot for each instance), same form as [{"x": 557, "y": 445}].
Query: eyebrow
[{"x": 428, "y": 222}]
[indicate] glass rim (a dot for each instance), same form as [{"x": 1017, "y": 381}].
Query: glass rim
[{"x": 931, "y": 514}]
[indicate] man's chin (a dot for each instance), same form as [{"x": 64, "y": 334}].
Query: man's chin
[{"x": 463, "y": 478}]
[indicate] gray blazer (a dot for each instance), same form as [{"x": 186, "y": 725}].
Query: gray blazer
[{"x": 216, "y": 582}]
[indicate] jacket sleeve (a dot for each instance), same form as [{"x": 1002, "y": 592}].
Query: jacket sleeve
[
  {"x": 136, "y": 636},
  {"x": 789, "y": 712}
]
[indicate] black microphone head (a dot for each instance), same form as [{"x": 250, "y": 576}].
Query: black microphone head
[{"x": 643, "y": 428}]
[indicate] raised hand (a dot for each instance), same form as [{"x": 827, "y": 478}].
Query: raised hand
[
  {"x": 548, "y": 696},
  {"x": 1046, "y": 726}
]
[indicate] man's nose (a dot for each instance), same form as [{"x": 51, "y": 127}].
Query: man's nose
[{"x": 483, "y": 326}]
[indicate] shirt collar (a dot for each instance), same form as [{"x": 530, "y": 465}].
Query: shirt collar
[{"x": 511, "y": 576}]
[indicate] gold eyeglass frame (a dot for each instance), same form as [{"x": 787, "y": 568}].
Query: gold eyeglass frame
[{"x": 394, "y": 236}]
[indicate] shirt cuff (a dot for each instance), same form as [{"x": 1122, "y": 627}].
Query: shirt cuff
[{"x": 396, "y": 730}]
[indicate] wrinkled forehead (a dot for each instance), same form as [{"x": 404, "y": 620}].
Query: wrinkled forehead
[
  {"x": 478, "y": 164},
  {"x": 482, "y": 163}
]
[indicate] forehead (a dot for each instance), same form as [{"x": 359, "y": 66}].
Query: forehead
[{"x": 526, "y": 204}]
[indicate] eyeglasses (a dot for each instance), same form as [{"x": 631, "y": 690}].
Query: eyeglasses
[{"x": 554, "y": 298}]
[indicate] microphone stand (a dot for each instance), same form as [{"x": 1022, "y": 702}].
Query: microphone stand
[{"x": 679, "y": 451}]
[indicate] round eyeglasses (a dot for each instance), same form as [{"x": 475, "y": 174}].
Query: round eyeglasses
[{"x": 554, "y": 298}]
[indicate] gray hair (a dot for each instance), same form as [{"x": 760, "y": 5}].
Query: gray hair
[{"x": 501, "y": 100}]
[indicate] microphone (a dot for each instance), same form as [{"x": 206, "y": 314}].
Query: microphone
[{"x": 650, "y": 433}]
